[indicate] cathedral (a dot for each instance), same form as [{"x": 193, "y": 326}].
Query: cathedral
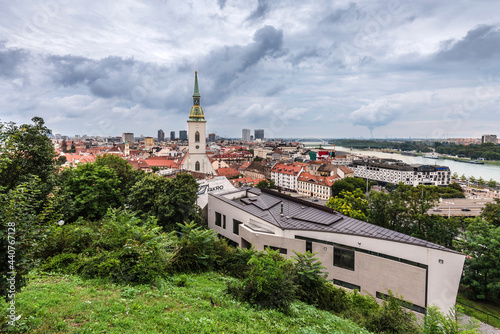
[{"x": 196, "y": 160}]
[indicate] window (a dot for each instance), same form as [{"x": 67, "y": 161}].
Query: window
[
  {"x": 224, "y": 222},
  {"x": 197, "y": 166},
  {"x": 346, "y": 285},
  {"x": 309, "y": 246},
  {"x": 197, "y": 137},
  {"x": 403, "y": 303},
  {"x": 343, "y": 258},
  {"x": 218, "y": 219},
  {"x": 236, "y": 226},
  {"x": 282, "y": 250}
]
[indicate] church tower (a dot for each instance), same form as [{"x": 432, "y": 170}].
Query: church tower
[{"x": 196, "y": 159}]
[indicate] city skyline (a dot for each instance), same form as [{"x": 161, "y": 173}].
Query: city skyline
[{"x": 343, "y": 70}]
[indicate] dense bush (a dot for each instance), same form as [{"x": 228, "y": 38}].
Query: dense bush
[
  {"x": 270, "y": 284},
  {"x": 120, "y": 247}
]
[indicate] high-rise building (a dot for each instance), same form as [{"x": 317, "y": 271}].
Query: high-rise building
[
  {"x": 245, "y": 135},
  {"x": 149, "y": 141},
  {"x": 489, "y": 139},
  {"x": 211, "y": 137},
  {"x": 196, "y": 159},
  {"x": 259, "y": 134},
  {"x": 161, "y": 135},
  {"x": 128, "y": 137},
  {"x": 172, "y": 135},
  {"x": 183, "y": 135}
]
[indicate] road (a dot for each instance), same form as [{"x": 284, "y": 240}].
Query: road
[{"x": 454, "y": 206}]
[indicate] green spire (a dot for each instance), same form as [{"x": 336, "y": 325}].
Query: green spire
[
  {"x": 196, "y": 113},
  {"x": 196, "y": 91}
]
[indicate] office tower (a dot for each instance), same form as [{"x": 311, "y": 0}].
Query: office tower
[
  {"x": 183, "y": 135},
  {"x": 172, "y": 135},
  {"x": 259, "y": 134},
  {"x": 211, "y": 137},
  {"x": 128, "y": 137},
  {"x": 245, "y": 135},
  {"x": 161, "y": 135}
]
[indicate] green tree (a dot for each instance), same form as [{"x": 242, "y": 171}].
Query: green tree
[
  {"x": 491, "y": 212},
  {"x": 349, "y": 184},
  {"x": 492, "y": 183},
  {"x": 481, "y": 243},
  {"x": 26, "y": 150},
  {"x": 352, "y": 204},
  {"x": 22, "y": 231},
  {"x": 463, "y": 178},
  {"x": 265, "y": 184},
  {"x": 472, "y": 179},
  {"x": 454, "y": 176},
  {"x": 127, "y": 175},
  {"x": 171, "y": 200},
  {"x": 481, "y": 181},
  {"x": 91, "y": 190}
]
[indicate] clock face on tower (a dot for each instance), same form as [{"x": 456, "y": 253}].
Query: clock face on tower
[{"x": 197, "y": 146}]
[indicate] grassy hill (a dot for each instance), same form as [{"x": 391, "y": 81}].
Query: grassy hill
[{"x": 183, "y": 304}]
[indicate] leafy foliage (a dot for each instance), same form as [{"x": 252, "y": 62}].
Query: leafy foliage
[
  {"x": 436, "y": 322},
  {"x": 127, "y": 175},
  {"x": 487, "y": 151},
  {"x": 349, "y": 184},
  {"x": 352, "y": 204},
  {"x": 265, "y": 184},
  {"x": 22, "y": 231},
  {"x": 491, "y": 212},
  {"x": 171, "y": 200},
  {"x": 91, "y": 190},
  {"x": 120, "y": 247},
  {"x": 481, "y": 244},
  {"x": 270, "y": 283},
  {"x": 25, "y": 150}
]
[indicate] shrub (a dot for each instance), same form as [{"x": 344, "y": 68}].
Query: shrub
[
  {"x": 309, "y": 277},
  {"x": 232, "y": 261},
  {"x": 195, "y": 248},
  {"x": 392, "y": 318},
  {"x": 270, "y": 283},
  {"x": 120, "y": 247}
]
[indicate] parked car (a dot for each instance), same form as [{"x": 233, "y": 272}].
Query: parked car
[
  {"x": 465, "y": 209},
  {"x": 437, "y": 209}
]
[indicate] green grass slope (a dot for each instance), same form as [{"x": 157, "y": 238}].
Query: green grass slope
[{"x": 185, "y": 304}]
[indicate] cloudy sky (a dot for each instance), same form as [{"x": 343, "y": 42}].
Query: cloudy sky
[{"x": 294, "y": 68}]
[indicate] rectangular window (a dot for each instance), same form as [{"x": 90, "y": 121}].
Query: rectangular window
[
  {"x": 218, "y": 219},
  {"x": 224, "y": 222},
  {"x": 343, "y": 258},
  {"x": 346, "y": 285},
  {"x": 403, "y": 303},
  {"x": 309, "y": 246},
  {"x": 236, "y": 226},
  {"x": 282, "y": 250}
]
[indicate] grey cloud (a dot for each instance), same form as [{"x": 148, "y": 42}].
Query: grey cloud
[
  {"x": 10, "y": 61},
  {"x": 298, "y": 57},
  {"x": 341, "y": 15},
  {"x": 226, "y": 63},
  {"x": 221, "y": 3},
  {"x": 260, "y": 12},
  {"x": 480, "y": 43}
]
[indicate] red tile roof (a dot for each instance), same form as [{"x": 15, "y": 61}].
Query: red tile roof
[
  {"x": 286, "y": 169},
  {"x": 227, "y": 172},
  {"x": 321, "y": 180}
]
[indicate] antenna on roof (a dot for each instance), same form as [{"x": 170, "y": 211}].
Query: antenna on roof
[{"x": 282, "y": 208}]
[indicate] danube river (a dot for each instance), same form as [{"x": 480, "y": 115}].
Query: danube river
[{"x": 487, "y": 172}]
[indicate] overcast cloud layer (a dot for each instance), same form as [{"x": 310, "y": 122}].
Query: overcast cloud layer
[{"x": 305, "y": 69}]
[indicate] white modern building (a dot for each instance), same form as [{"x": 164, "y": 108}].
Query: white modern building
[
  {"x": 356, "y": 254},
  {"x": 395, "y": 171}
]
